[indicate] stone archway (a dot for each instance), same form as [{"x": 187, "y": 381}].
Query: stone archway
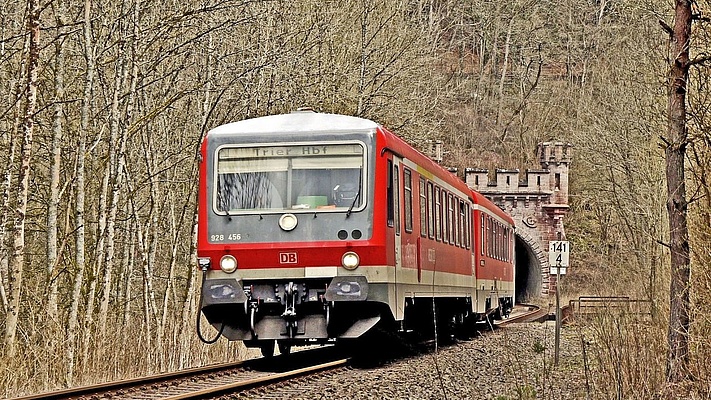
[{"x": 529, "y": 279}]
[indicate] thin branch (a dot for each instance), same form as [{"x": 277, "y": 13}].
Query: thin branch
[
  {"x": 700, "y": 60},
  {"x": 668, "y": 29}
]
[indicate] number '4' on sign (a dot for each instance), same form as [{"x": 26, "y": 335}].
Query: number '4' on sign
[{"x": 558, "y": 253}]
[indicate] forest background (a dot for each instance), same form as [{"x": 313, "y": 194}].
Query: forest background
[{"x": 97, "y": 265}]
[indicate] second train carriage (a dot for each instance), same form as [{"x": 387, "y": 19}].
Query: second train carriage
[{"x": 316, "y": 227}]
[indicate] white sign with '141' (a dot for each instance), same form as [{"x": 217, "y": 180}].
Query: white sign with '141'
[{"x": 558, "y": 255}]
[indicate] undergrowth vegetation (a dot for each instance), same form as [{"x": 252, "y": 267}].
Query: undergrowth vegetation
[{"x": 98, "y": 277}]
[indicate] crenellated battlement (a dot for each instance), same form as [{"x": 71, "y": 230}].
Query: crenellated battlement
[
  {"x": 509, "y": 180},
  {"x": 549, "y": 184},
  {"x": 554, "y": 153}
]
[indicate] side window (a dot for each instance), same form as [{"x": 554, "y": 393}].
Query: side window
[
  {"x": 499, "y": 235},
  {"x": 482, "y": 235},
  {"x": 430, "y": 210},
  {"x": 423, "y": 208},
  {"x": 390, "y": 196},
  {"x": 462, "y": 225},
  {"x": 396, "y": 198},
  {"x": 497, "y": 243},
  {"x": 408, "y": 199},
  {"x": 489, "y": 237},
  {"x": 452, "y": 219},
  {"x": 445, "y": 218},
  {"x": 438, "y": 214},
  {"x": 468, "y": 228}
]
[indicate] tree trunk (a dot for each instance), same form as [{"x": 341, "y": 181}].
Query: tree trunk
[
  {"x": 7, "y": 183},
  {"x": 188, "y": 305},
  {"x": 56, "y": 151},
  {"x": 109, "y": 202},
  {"x": 80, "y": 194},
  {"x": 6, "y": 186},
  {"x": 18, "y": 243},
  {"x": 678, "y": 358}
]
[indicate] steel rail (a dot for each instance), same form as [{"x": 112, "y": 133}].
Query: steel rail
[
  {"x": 127, "y": 383},
  {"x": 261, "y": 381},
  {"x": 534, "y": 313}
]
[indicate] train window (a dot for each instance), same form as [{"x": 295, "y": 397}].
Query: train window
[
  {"x": 497, "y": 243},
  {"x": 462, "y": 224},
  {"x": 396, "y": 198},
  {"x": 445, "y": 218},
  {"x": 494, "y": 242},
  {"x": 506, "y": 243},
  {"x": 489, "y": 237},
  {"x": 452, "y": 220},
  {"x": 468, "y": 230},
  {"x": 500, "y": 241},
  {"x": 289, "y": 177},
  {"x": 493, "y": 239},
  {"x": 438, "y": 214},
  {"x": 509, "y": 247},
  {"x": 482, "y": 234},
  {"x": 430, "y": 210},
  {"x": 390, "y": 196},
  {"x": 407, "y": 182},
  {"x": 458, "y": 225},
  {"x": 423, "y": 208}
]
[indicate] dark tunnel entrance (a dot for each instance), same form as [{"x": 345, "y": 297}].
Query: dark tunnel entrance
[{"x": 528, "y": 272}]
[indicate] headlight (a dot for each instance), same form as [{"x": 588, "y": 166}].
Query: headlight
[
  {"x": 288, "y": 222},
  {"x": 228, "y": 264},
  {"x": 203, "y": 263},
  {"x": 350, "y": 261}
]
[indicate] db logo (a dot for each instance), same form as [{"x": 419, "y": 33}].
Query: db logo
[{"x": 287, "y": 258}]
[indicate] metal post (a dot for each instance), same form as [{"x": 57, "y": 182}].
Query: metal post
[{"x": 557, "y": 314}]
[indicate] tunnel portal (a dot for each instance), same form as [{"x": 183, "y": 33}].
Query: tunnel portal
[{"x": 537, "y": 204}]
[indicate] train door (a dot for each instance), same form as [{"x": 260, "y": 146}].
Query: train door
[{"x": 397, "y": 199}]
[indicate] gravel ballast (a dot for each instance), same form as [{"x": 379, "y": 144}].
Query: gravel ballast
[{"x": 515, "y": 362}]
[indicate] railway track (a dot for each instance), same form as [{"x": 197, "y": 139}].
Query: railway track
[
  {"x": 209, "y": 381},
  {"x": 239, "y": 377},
  {"x": 525, "y": 313}
]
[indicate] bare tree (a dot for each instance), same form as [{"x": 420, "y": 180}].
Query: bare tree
[
  {"x": 677, "y": 204},
  {"x": 18, "y": 251},
  {"x": 80, "y": 259},
  {"x": 10, "y": 134},
  {"x": 54, "y": 175}
]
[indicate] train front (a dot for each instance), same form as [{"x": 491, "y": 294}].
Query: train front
[{"x": 285, "y": 221}]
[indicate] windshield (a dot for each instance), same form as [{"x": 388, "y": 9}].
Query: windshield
[{"x": 292, "y": 177}]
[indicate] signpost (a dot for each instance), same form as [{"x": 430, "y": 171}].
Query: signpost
[{"x": 558, "y": 257}]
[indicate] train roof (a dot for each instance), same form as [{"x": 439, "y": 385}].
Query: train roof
[
  {"x": 481, "y": 200},
  {"x": 309, "y": 121},
  {"x": 400, "y": 146},
  {"x": 297, "y": 121}
]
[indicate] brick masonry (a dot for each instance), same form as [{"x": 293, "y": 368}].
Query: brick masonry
[{"x": 537, "y": 203}]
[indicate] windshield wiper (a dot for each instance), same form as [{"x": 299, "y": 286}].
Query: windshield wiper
[{"x": 357, "y": 196}]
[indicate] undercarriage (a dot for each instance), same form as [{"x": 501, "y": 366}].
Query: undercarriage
[{"x": 290, "y": 312}]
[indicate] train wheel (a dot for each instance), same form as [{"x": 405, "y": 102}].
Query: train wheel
[
  {"x": 499, "y": 314},
  {"x": 267, "y": 348},
  {"x": 284, "y": 348}
]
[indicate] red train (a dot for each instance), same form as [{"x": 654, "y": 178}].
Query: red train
[{"x": 315, "y": 228}]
